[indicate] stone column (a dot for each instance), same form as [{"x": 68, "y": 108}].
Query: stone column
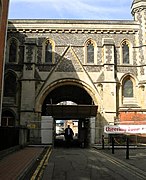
[
  {"x": 27, "y": 111},
  {"x": 139, "y": 12},
  {"x": 109, "y": 84}
]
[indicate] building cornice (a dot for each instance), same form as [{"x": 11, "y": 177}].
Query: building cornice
[
  {"x": 73, "y": 31},
  {"x": 73, "y": 26}
]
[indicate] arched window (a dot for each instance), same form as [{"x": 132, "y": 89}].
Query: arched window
[
  {"x": 8, "y": 118},
  {"x": 128, "y": 88},
  {"x": 13, "y": 50},
  {"x": 125, "y": 53},
  {"x": 10, "y": 85},
  {"x": 48, "y": 52},
  {"x": 90, "y": 52}
]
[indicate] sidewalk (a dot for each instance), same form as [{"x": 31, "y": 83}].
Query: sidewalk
[
  {"x": 137, "y": 155},
  {"x": 14, "y": 166}
]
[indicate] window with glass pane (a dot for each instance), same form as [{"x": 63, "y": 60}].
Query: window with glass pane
[
  {"x": 128, "y": 88},
  {"x": 13, "y": 51},
  {"x": 48, "y": 53},
  {"x": 125, "y": 50},
  {"x": 10, "y": 85},
  {"x": 90, "y": 53}
]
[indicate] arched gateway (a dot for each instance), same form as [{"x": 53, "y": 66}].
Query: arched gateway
[{"x": 81, "y": 108}]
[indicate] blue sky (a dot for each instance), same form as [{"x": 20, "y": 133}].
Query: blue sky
[{"x": 71, "y": 9}]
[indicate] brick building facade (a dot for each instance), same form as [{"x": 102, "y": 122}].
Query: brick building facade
[
  {"x": 4, "y": 4},
  {"x": 88, "y": 62}
]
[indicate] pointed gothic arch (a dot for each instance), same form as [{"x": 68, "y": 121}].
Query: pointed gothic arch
[
  {"x": 90, "y": 52},
  {"x": 128, "y": 86},
  {"x": 48, "y": 51},
  {"x": 12, "y": 50},
  {"x": 128, "y": 89},
  {"x": 10, "y": 84},
  {"x": 126, "y": 52}
]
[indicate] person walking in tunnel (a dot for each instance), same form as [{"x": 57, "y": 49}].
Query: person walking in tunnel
[{"x": 68, "y": 135}]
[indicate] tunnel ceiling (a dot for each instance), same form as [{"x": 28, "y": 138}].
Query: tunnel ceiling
[
  {"x": 72, "y": 93},
  {"x": 68, "y": 93}
]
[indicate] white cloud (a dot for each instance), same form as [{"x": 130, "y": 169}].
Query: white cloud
[{"x": 83, "y": 9}]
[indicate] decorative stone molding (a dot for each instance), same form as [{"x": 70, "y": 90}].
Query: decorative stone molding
[
  {"x": 74, "y": 31},
  {"x": 137, "y": 10}
]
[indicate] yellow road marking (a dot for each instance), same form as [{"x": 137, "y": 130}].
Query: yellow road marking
[
  {"x": 124, "y": 165},
  {"x": 39, "y": 171}
]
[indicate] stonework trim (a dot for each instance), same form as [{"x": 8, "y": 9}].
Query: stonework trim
[
  {"x": 44, "y": 92},
  {"x": 75, "y": 31}
]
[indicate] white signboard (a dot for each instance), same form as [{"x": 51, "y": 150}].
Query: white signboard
[{"x": 125, "y": 129}]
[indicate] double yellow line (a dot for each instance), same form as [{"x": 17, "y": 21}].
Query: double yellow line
[
  {"x": 127, "y": 167},
  {"x": 41, "y": 167}
]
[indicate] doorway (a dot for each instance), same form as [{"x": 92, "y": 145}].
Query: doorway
[
  {"x": 60, "y": 126},
  {"x": 81, "y": 130}
]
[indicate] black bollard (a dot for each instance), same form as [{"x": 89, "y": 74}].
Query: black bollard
[
  {"x": 113, "y": 141},
  {"x": 127, "y": 148},
  {"x": 102, "y": 141}
]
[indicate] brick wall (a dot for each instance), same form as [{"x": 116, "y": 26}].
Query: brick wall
[
  {"x": 132, "y": 118},
  {"x": 3, "y": 28}
]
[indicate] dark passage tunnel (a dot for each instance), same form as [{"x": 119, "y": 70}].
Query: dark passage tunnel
[
  {"x": 67, "y": 93},
  {"x": 81, "y": 110}
]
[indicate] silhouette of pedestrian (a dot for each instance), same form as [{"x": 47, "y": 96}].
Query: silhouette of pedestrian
[{"x": 68, "y": 135}]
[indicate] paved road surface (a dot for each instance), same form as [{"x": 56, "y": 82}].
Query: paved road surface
[{"x": 88, "y": 164}]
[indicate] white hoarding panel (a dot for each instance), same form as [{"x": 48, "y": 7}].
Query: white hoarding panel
[
  {"x": 92, "y": 126},
  {"x": 125, "y": 129},
  {"x": 47, "y": 130}
]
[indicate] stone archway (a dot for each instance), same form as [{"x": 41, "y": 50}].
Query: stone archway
[
  {"x": 80, "y": 86},
  {"x": 62, "y": 93},
  {"x": 83, "y": 108}
]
